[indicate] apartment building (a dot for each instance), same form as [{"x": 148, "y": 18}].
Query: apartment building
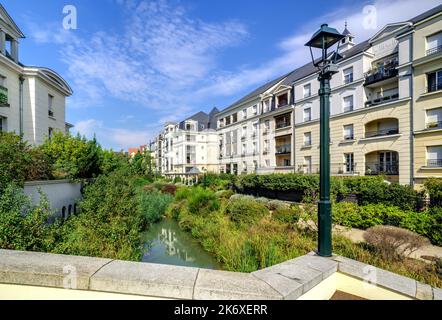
[
  {"x": 188, "y": 148},
  {"x": 426, "y": 37},
  {"x": 385, "y": 116},
  {"x": 32, "y": 99}
]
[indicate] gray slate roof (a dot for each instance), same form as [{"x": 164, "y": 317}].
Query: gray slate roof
[{"x": 205, "y": 121}]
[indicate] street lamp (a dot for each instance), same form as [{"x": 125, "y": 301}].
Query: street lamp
[{"x": 324, "y": 39}]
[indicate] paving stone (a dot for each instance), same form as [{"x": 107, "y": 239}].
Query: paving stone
[
  {"x": 437, "y": 294},
  {"x": 223, "y": 285},
  {"x": 146, "y": 279},
  {"x": 48, "y": 270},
  {"x": 424, "y": 291}
]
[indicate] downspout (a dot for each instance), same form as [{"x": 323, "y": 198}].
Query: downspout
[
  {"x": 21, "y": 81},
  {"x": 412, "y": 117}
]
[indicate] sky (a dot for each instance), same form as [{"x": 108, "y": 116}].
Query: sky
[{"x": 135, "y": 64}]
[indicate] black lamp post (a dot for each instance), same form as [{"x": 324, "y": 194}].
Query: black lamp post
[{"x": 324, "y": 39}]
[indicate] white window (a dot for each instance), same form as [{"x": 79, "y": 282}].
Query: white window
[
  {"x": 348, "y": 132},
  {"x": 307, "y": 114},
  {"x": 267, "y": 163},
  {"x": 244, "y": 114},
  {"x": 308, "y": 164},
  {"x": 349, "y": 162},
  {"x": 267, "y": 106},
  {"x": 434, "y": 43},
  {"x": 255, "y": 165},
  {"x": 434, "y": 118},
  {"x": 244, "y": 148},
  {"x": 307, "y": 90},
  {"x": 266, "y": 145},
  {"x": 255, "y": 109},
  {"x": 348, "y": 104},
  {"x": 307, "y": 139},
  {"x": 2, "y": 81},
  {"x": 267, "y": 125},
  {"x": 244, "y": 132},
  {"x": 244, "y": 166},
  {"x": 434, "y": 156},
  {"x": 254, "y": 147},
  {"x": 255, "y": 128},
  {"x": 348, "y": 75}
]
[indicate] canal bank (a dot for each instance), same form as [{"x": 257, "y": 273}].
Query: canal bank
[{"x": 166, "y": 243}]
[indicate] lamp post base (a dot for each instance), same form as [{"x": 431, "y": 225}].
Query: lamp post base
[{"x": 324, "y": 228}]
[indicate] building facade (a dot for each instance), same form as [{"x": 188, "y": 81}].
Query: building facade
[
  {"x": 385, "y": 117},
  {"x": 32, "y": 99}
]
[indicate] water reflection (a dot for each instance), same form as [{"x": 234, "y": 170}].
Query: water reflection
[{"x": 166, "y": 243}]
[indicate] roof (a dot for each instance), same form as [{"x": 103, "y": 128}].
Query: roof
[
  {"x": 205, "y": 121},
  {"x": 10, "y": 22},
  {"x": 426, "y": 14}
]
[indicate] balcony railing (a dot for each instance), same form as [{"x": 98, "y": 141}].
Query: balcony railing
[
  {"x": 434, "y": 124},
  {"x": 434, "y": 50},
  {"x": 434, "y": 163},
  {"x": 382, "y": 100},
  {"x": 381, "y": 133},
  {"x": 343, "y": 168},
  {"x": 382, "y": 168},
  {"x": 434, "y": 87},
  {"x": 374, "y": 76},
  {"x": 283, "y": 149},
  {"x": 3, "y": 95},
  {"x": 285, "y": 124},
  {"x": 349, "y": 137},
  {"x": 307, "y": 168}
]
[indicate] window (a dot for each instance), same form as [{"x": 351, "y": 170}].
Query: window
[
  {"x": 348, "y": 132},
  {"x": 434, "y": 118},
  {"x": 307, "y": 139},
  {"x": 434, "y": 156},
  {"x": 307, "y": 114},
  {"x": 283, "y": 100},
  {"x": 255, "y": 109},
  {"x": 255, "y": 165},
  {"x": 266, "y": 126},
  {"x": 267, "y": 163},
  {"x": 244, "y": 114},
  {"x": 221, "y": 123},
  {"x": 2, "y": 81},
  {"x": 3, "y": 124},
  {"x": 244, "y": 166},
  {"x": 283, "y": 121},
  {"x": 255, "y": 129},
  {"x": 189, "y": 138},
  {"x": 308, "y": 164},
  {"x": 348, "y": 104},
  {"x": 254, "y": 147},
  {"x": 50, "y": 105},
  {"x": 50, "y": 132},
  {"x": 227, "y": 120},
  {"x": 434, "y": 43},
  {"x": 434, "y": 80},
  {"x": 348, "y": 75},
  {"x": 234, "y": 117},
  {"x": 244, "y": 149},
  {"x": 3, "y": 91},
  {"x": 307, "y": 90},
  {"x": 349, "y": 162},
  {"x": 266, "y": 146}
]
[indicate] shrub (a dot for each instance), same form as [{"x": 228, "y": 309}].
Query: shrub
[
  {"x": 183, "y": 193},
  {"x": 287, "y": 215},
  {"x": 245, "y": 210},
  {"x": 277, "y": 204},
  {"x": 202, "y": 201},
  {"x": 153, "y": 206},
  {"x": 393, "y": 242},
  {"x": 224, "y": 194},
  {"x": 40, "y": 167},
  {"x": 434, "y": 189},
  {"x": 169, "y": 189},
  {"x": 177, "y": 180}
]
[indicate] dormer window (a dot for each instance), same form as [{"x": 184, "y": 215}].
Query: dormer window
[{"x": 283, "y": 100}]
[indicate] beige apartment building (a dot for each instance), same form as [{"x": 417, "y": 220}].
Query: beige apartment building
[
  {"x": 32, "y": 99},
  {"x": 385, "y": 117}
]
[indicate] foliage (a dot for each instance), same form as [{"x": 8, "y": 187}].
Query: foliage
[
  {"x": 290, "y": 216},
  {"x": 23, "y": 226},
  {"x": 434, "y": 189},
  {"x": 277, "y": 204},
  {"x": 244, "y": 210},
  {"x": 153, "y": 206},
  {"x": 143, "y": 164},
  {"x": 73, "y": 157},
  {"x": 14, "y": 159},
  {"x": 202, "y": 200},
  {"x": 169, "y": 189},
  {"x": 393, "y": 242},
  {"x": 40, "y": 167},
  {"x": 111, "y": 161},
  {"x": 224, "y": 194},
  {"x": 217, "y": 181}
]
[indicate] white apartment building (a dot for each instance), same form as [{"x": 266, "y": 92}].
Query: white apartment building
[
  {"x": 188, "y": 148},
  {"x": 32, "y": 99}
]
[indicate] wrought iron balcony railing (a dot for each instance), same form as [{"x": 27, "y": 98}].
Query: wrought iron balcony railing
[
  {"x": 349, "y": 137},
  {"x": 434, "y": 124},
  {"x": 283, "y": 149},
  {"x": 434, "y": 163},
  {"x": 382, "y": 100},
  {"x": 382, "y": 168},
  {"x": 381, "y": 133},
  {"x": 3, "y": 95},
  {"x": 434, "y": 50},
  {"x": 285, "y": 124},
  {"x": 384, "y": 73}
]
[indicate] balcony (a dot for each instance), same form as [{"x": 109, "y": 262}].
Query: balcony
[
  {"x": 435, "y": 50},
  {"x": 282, "y": 125},
  {"x": 382, "y": 100},
  {"x": 3, "y": 95},
  {"x": 343, "y": 168},
  {"x": 307, "y": 168},
  {"x": 283, "y": 149},
  {"x": 381, "y": 133},
  {"x": 434, "y": 163},
  {"x": 374, "y": 169},
  {"x": 349, "y": 137},
  {"x": 434, "y": 125},
  {"x": 381, "y": 73}
]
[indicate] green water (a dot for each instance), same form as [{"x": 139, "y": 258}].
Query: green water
[{"x": 166, "y": 243}]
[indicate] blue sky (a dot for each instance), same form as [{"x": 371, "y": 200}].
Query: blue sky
[{"x": 134, "y": 64}]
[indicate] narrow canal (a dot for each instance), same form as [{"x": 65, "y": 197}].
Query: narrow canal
[{"x": 166, "y": 243}]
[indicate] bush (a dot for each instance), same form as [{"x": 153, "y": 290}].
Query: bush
[
  {"x": 287, "y": 215},
  {"x": 153, "y": 206},
  {"x": 434, "y": 189},
  {"x": 169, "y": 189},
  {"x": 201, "y": 201},
  {"x": 245, "y": 210},
  {"x": 393, "y": 242},
  {"x": 277, "y": 204},
  {"x": 224, "y": 194}
]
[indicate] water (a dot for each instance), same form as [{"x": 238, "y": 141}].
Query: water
[{"x": 166, "y": 243}]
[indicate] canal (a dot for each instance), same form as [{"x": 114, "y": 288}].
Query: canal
[{"x": 166, "y": 243}]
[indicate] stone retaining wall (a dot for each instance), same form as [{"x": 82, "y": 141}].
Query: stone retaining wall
[{"x": 285, "y": 281}]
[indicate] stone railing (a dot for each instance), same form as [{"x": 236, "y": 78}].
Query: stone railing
[{"x": 285, "y": 281}]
